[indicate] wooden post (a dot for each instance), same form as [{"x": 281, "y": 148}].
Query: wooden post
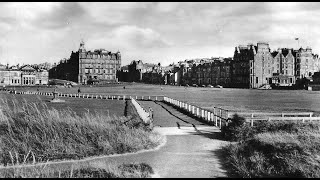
[
  {"x": 251, "y": 122},
  {"x": 227, "y": 114},
  {"x": 215, "y": 116},
  {"x": 156, "y": 98},
  {"x": 212, "y": 117},
  {"x": 220, "y": 123},
  {"x": 282, "y": 115}
]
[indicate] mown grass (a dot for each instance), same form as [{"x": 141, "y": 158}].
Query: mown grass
[
  {"x": 275, "y": 149},
  {"x": 78, "y": 105},
  {"x": 28, "y": 135}
]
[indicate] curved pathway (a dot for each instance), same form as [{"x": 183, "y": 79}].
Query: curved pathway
[{"x": 189, "y": 152}]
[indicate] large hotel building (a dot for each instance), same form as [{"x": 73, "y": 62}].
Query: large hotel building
[
  {"x": 256, "y": 66},
  {"x": 87, "y": 67}
]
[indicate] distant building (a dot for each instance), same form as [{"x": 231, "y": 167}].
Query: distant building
[
  {"x": 307, "y": 63},
  {"x": 283, "y": 67},
  {"x": 137, "y": 71},
  {"x": 86, "y": 67},
  {"x": 241, "y": 65},
  {"x": 24, "y": 75}
]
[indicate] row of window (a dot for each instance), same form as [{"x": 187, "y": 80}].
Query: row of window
[
  {"x": 99, "y": 71},
  {"x": 96, "y": 56},
  {"x": 289, "y": 80},
  {"x": 107, "y": 77}
]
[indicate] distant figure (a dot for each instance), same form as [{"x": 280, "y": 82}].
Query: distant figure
[
  {"x": 150, "y": 113},
  {"x": 37, "y": 89},
  {"x": 79, "y": 91},
  {"x": 161, "y": 88},
  {"x": 124, "y": 87}
]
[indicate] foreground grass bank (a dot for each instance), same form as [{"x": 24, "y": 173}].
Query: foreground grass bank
[
  {"x": 275, "y": 149},
  {"x": 28, "y": 135},
  {"x": 133, "y": 170}
]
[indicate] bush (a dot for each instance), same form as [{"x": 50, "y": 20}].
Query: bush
[
  {"x": 237, "y": 129},
  {"x": 275, "y": 149},
  {"x": 277, "y": 154}
]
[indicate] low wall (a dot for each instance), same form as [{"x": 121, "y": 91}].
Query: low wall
[{"x": 144, "y": 114}]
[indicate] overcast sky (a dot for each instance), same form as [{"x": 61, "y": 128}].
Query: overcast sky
[{"x": 154, "y": 32}]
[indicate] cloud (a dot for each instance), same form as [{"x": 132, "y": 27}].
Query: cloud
[
  {"x": 166, "y": 31},
  {"x": 140, "y": 37},
  {"x": 61, "y": 16},
  {"x": 131, "y": 38}
]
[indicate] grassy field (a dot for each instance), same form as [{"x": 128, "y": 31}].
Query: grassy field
[
  {"x": 237, "y": 100},
  {"x": 78, "y": 105}
]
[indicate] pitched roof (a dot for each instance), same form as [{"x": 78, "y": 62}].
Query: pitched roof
[
  {"x": 27, "y": 68},
  {"x": 274, "y": 53},
  {"x": 285, "y": 52}
]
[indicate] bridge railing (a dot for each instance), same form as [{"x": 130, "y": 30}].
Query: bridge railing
[{"x": 216, "y": 117}]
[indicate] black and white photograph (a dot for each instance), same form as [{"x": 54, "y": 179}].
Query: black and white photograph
[{"x": 159, "y": 90}]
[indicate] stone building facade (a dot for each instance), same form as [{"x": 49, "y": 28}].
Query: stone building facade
[
  {"x": 241, "y": 65},
  {"x": 307, "y": 63},
  {"x": 87, "y": 67},
  {"x": 282, "y": 67},
  {"x": 23, "y": 76}
]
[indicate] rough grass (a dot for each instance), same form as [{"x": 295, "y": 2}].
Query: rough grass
[
  {"x": 28, "y": 135},
  {"x": 277, "y": 149},
  {"x": 133, "y": 170}
]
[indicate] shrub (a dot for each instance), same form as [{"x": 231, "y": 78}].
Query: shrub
[
  {"x": 237, "y": 129},
  {"x": 282, "y": 150}
]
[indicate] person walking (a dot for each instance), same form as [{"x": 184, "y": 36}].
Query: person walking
[
  {"x": 79, "y": 91},
  {"x": 150, "y": 112}
]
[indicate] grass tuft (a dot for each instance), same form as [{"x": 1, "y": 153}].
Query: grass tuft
[{"x": 32, "y": 132}]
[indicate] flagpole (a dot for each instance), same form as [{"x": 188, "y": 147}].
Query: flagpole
[{"x": 297, "y": 39}]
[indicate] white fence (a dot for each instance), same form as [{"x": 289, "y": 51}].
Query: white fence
[
  {"x": 287, "y": 116},
  {"x": 95, "y": 96},
  {"x": 215, "y": 117}
]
